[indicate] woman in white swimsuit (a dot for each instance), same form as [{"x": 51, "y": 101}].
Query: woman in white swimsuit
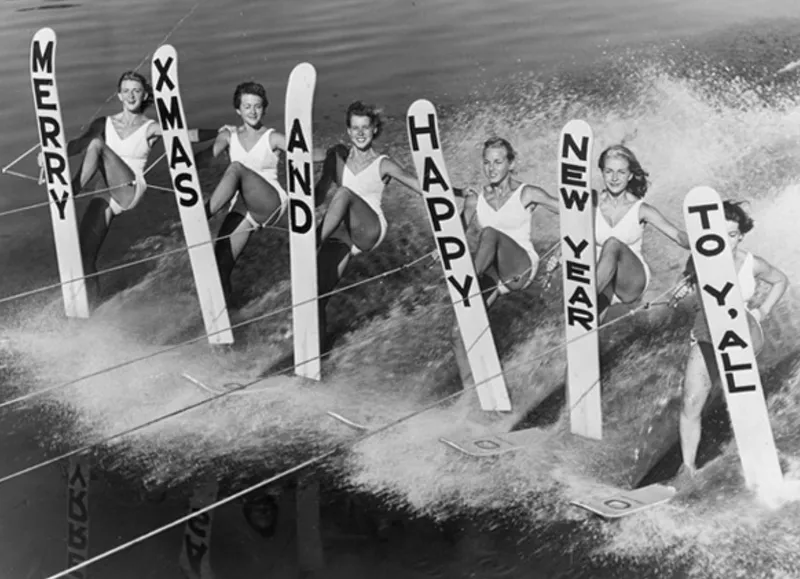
[
  {"x": 251, "y": 179},
  {"x": 503, "y": 209},
  {"x": 622, "y": 273},
  {"x": 354, "y": 221},
  {"x": 117, "y": 147},
  {"x": 701, "y": 365}
]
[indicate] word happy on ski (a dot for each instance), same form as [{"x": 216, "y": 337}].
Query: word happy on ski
[
  {"x": 711, "y": 244},
  {"x": 171, "y": 116},
  {"x": 578, "y": 263},
  {"x": 441, "y": 210}
]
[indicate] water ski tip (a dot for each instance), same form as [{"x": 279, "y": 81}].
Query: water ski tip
[
  {"x": 623, "y": 503},
  {"x": 490, "y": 445}
]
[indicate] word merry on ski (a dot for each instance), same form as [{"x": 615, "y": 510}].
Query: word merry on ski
[
  {"x": 57, "y": 173},
  {"x": 580, "y": 287}
]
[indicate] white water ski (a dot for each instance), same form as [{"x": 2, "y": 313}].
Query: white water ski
[
  {"x": 56, "y": 171},
  {"x": 577, "y": 216},
  {"x": 347, "y": 422},
  {"x": 491, "y": 444},
  {"x": 186, "y": 184},
  {"x": 302, "y": 221},
  {"x": 623, "y": 503},
  {"x": 459, "y": 271},
  {"x": 718, "y": 285}
]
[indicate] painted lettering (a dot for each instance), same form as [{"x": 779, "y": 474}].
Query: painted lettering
[
  {"x": 731, "y": 339},
  {"x": 61, "y": 204},
  {"x": 41, "y": 92},
  {"x": 577, "y": 250},
  {"x": 296, "y": 178},
  {"x": 710, "y": 244},
  {"x": 719, "y": 295},
  {"x": 704, "y": 210},
  {"x": 432, "y": 176},
  {"x": 579, "y": 316},
  {"x": 42, "y": 61},
  {"x": 179, "y": 155},
  {"x": 445, "y": 212},
  {"x": 733, "y": 388},
  {"x": 163, "y": 74},
  {"x": 449, "y": 255},
  {"x": 171, "y": 117},
  {"x": 184, "y": 184},
  {"x": 576, "y": 272},
  {"x": 297, "y": 139},
  {"x": 416, "y": 131},
  {"x": 462, "y": 289},
  {"x": 574, "y": 198},
  {"x": 300, "y": 216},
  {"x": 569, "y": 144},
  {"x": 49, "y": 129},
  {"x": 55, "y": 165}
]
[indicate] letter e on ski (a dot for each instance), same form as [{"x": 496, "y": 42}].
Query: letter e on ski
[{"x": 577, "y": 213}]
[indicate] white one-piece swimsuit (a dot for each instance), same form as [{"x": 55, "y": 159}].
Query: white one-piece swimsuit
[
  {"x": 133, "y": 150},
  {"x": 263, "y": 161},
  {"x": 514, "y": 220},
  {"x": 629, "y": 230},
  {"x": 369, "y": 185}
]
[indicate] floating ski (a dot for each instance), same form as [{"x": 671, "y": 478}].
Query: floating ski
[
  {"x": 78, "y": 478},
  {"x": 491, "y": 445},
  {"x": 577, "y": 216},
  {"x": 188, "y": 195},
  {"x": 725, "y": 312},
  {"x": 57, "y": 172},
  {"x": 459, "y": 271},
  {"x": 302, "y": 221},
  {"x": 623, "y": 503},
  {"x": 348, "y": 422}
]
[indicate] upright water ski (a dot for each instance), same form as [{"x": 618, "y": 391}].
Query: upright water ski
[
  {"x": 78, "y": 480},
  {"x": 188, "y": 195},
  {"x": 302, "y": 221},
  {"x": 580, "y": 282},
  {"x": 58, "y": 177},
  {"x": 718, "y": 284},
  {"x": 459, "y": 271}
]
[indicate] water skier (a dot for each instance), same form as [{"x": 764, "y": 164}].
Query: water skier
[
  {"x": 701, "y": 365},
  {"x": 116, "y": 147}
]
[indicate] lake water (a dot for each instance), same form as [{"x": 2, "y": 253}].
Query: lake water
[{"x": 690, "y": 84}]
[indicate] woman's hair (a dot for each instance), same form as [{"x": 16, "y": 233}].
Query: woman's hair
[
  {"x": 735, "y": 212},
  {"x": 359, "y": 109},
  {"x": 252, "y": 88},
  {"x": 638, "y": 184},
  {"x": 500, "y": 143},
  {"x": 135, "y": 76}
]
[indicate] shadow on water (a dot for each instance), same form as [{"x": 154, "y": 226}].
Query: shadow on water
[{"x": 50, "y": 5}]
